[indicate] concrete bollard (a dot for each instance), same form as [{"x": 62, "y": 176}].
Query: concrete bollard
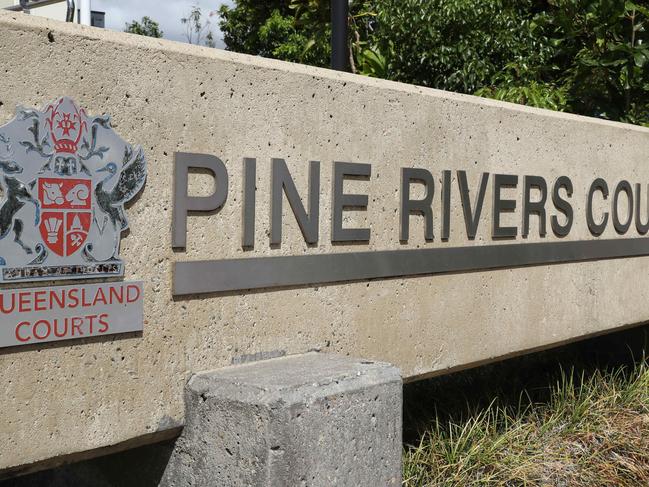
[{"x": 304, "y": 420}]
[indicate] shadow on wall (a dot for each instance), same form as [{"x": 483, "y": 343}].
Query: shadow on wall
[
  {"x": 139, "y": 467},
  {"x": 455, "y": 397},
  {"x": 445, "y": 396}
]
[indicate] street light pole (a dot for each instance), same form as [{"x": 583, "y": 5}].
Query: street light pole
[{"x": 339, "y": 15}]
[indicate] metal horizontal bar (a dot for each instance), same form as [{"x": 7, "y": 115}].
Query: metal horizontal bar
[
  {"x": 213, "y": 276},
  {"x": 32, "y": 4}
]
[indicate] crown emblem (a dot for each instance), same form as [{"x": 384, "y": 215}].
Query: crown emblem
[{"x": 66, "y": 125}]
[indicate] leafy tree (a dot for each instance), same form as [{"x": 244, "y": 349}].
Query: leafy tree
[
  {"x": 456, "y": 45},
  {"x": 417, "y": 41},
  {"x": 291, "y": 30},
  {"x": 241, "y": 24},
  {"x": 602, "y": 51},
  {"x": 599, "y": 64},
  {"x": 295, "y": 30},
  {"x": 198, "y": 30},
  {"x": 146, "y": 27},
  {"x": 585, "y": 56}
]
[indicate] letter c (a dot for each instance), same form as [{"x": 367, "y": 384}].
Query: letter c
[
  {"x": 18, "y": 337},
  {"x": 596, "y": 228}
]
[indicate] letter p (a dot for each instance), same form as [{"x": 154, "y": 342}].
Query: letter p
[{"x": 183, "y": 203}]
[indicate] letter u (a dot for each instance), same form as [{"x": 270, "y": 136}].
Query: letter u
[
  {"x": 3, "y": 298},
  {"x": 56, "y": 328}
]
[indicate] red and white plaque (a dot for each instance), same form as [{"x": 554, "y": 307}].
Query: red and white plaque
[{"x": 37, "y": 315}]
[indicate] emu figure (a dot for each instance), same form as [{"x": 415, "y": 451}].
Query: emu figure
[{"x": 111, "y": 202}]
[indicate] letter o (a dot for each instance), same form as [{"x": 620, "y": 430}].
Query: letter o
[
  {"x": 35, "y": 329},
  {"x": 622, "y": 228}
]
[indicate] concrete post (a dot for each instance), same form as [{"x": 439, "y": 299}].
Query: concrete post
[{"x": 305, "y": 420}]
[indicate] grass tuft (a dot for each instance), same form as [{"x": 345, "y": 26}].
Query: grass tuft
[{"x": 591, "y": 430}]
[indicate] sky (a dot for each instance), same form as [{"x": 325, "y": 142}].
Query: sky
[{"x": 166, "y": 12}]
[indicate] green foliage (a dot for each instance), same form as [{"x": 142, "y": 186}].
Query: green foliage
[
  {"x": 371, "y": 62},
  {"x": 602, "y": 56},
  {"x": 533, "y": 93},
  {"x": 592, "y": 430},
  {"x": 242, "y": 23},
  {"x": 291, "y": 30},
  {"x": 294, "y": 30},
  {"x": 298, "y": 37},
  {"x": 456, "y": 45},
  {"x": 589, "y": 57},
  {"x": 146, "y": 27}
]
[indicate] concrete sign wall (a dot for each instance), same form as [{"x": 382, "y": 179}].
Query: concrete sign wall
[{"x": 431, "y": 307}]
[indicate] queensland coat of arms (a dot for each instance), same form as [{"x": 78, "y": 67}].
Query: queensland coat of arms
[{"x": 65, "y": 177}]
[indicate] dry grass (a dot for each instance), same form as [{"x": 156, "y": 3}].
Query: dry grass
[{"x": 591, "y": 431}]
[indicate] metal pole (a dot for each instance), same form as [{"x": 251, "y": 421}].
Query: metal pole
[
  {"x": 69, "y": 16},
  {"x": 339, "y": 14},
  {"x": 84, "y": 7}
]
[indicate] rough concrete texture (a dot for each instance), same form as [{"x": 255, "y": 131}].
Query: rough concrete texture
[
  {"x": 306, "y": 420},
  {"x": 61, "y": 399}
]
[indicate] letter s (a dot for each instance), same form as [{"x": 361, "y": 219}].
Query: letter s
[{"x": 103, "y": 323}]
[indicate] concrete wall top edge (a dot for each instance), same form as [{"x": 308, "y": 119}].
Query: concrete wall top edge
[{"x": 18, "y": 20}]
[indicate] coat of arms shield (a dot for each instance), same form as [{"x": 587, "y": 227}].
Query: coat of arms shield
[{"x": 65, "y": 177}]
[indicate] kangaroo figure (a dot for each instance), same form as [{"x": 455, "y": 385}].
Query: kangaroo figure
[{"x": 17, "y": 195}]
